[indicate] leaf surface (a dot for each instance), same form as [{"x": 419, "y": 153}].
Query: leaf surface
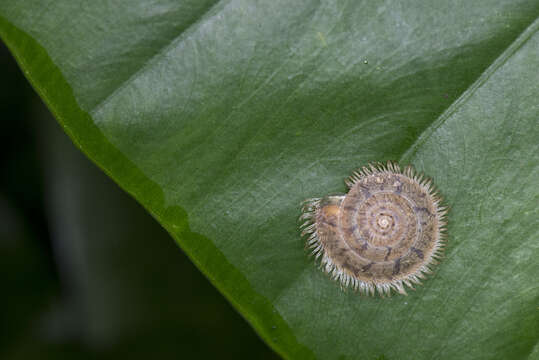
[{"x": 221, "y": 117}]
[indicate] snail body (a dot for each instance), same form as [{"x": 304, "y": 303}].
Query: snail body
[{"x": 385, "y": 233}]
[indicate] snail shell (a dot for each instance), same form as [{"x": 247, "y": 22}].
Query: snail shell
[{"x": 385, "y": 233}]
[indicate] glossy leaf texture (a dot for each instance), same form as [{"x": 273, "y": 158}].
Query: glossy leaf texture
[{"x": 220, "y": 117}]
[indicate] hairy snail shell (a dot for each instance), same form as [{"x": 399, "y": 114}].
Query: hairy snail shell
[{"x": 383, "y": 234}]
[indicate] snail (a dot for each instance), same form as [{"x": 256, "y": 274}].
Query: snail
[{"x": 383, "y": 235}]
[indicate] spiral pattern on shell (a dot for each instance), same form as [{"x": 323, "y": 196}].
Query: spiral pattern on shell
[{"x": 385, "y": 233}]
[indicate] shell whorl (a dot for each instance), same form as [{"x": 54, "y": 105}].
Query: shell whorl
[{"x": 385, "y": 233}]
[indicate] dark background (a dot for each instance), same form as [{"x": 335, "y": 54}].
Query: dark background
[{"x": 86, "y": 272}]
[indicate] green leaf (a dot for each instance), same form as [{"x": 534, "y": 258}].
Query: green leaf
[{"x": 221, "y": 117}]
